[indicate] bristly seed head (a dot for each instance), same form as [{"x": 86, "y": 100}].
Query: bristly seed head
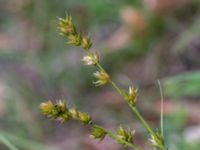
[
  {"x": 47, "y": 107},
  {"x": 85, "y": 117},
  {"x": 131, "y": 96},
  {"x": 74, "y": 113},
  {"x": 157, "y": 140},
  {"x": 102, "y": 77},
  {"x": 86, "y": 43},
  {"x": 66, "y": 26},
  {"x": 98, "y": 133},
  {"x": 125, "y": 134},
  {"x": 91, "y": 59},
  {"x": 56, "y": 111},
  {"x": 74, "y": 39},
  {"x": 59, "y": 111}
]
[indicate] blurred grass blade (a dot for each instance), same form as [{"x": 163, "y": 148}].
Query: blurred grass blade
[
  {"x": 183, "y": 85},
  {"x": 24, "y": 143},
  {"x": 161, "y": 108},
  {"x": 186, "y": 37},
  {"x": 7, "y": 143}
]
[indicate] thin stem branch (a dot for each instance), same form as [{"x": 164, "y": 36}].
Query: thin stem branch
[
  {"x": 142, "y": 120},
  {"x": 161, "y": 109},
  {"x": 117, "y": 88},
  {"x": 146, "y": 125}
]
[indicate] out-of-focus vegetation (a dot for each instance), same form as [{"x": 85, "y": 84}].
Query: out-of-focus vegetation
[{"x": 140, "y": 42}]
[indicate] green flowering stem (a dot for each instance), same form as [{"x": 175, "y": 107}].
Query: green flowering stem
[
  {"x": 103, "y": 78},
  {"x": 146, "y": 125},
  {"x": 135, "y": 110},
  {"x": 140, "y": 117},
  {"x": 114, "y": 136}
]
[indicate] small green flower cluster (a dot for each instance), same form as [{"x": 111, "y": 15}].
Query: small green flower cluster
[
  {"x": 122, "y": 134},
  {"x": 131, "y": 96},
  {"x": 125, "y": 134},
  {"x": 67, "y": 29},
  {"x": 98, "y": 133},
  {"x": 157, "y": 140},
  {"x": 59, "y": 111}
]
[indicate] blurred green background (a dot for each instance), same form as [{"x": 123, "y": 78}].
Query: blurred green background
[{"x": 139, "y": 42}]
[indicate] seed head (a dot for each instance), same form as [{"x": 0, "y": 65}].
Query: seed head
[
  {"x": 74, "y": 113},
  {"x": 66, "y": 26},
  {"x": 85, "y": 117},
  {"x": 98, "y": 133},
  {"x": 125, "y": 134},
  {"x": 47, "y": 108},
  {"x": 92, "y": 59},
  {"x": 157, "y": 140},
  {"x": 131, "y": 96},
  {"x": 102, "y": 77},
  {"x": 74, "y": 39},
  {"x": 56, "y": 111},
  {"x": 86, "y": 43}
]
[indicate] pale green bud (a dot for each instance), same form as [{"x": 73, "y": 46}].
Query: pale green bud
[
  {"x": 66, "y": 26},
  {"x": 131, "y": 96},
  {"x": 102, "y": 77},
  {"x": 74, "y": 39},
  {"x": 91, "y": 59},
  {"x": 98, "y": 133},
  {"x": 125, "y": 134},
  {"x": 86, "y": 43},
  {"x": 85, "y": 118}
]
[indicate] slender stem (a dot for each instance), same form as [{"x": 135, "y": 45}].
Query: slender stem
[
  {"x": 142, "y": 120},
  {"x": 146, "y": 125},
  {"x": 100, "y": 67},
  {"x": 117, "y": 88},
  {"x": 161, "y": 109},
  {"x": 112, "y": 82}
]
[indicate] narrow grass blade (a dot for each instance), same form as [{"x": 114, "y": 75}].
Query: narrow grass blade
[{"x": 7, "y": 143}]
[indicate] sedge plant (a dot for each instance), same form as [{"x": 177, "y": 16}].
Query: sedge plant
[{"x": 60, "y": 111}]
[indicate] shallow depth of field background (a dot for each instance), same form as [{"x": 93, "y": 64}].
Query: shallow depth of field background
[{"x": 139, "y": 41}]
